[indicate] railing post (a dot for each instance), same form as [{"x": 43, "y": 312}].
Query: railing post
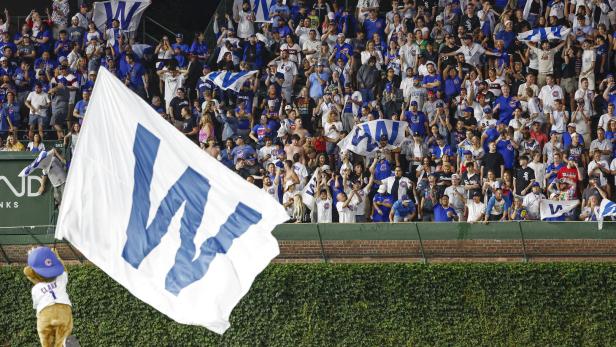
[
  {"x": 4, "y": 255},
  {"x": 523, "y": 242},
  {"x": 424, "y": 260},
  {"x": 321, "y": 243}
]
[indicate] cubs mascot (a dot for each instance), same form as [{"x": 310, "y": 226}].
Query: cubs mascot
[{"x": 53, "y": 308}]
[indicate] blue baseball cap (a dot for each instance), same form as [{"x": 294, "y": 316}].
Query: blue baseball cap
[
  {"x": 467, "y": 152},
  {"x": 440, "y": 103},
  {"x": 469, "y": 109},
  {"x": 45, "y": 262},
  {"x": 487, "y": 109},
  {"x": 413, "y": 103}
]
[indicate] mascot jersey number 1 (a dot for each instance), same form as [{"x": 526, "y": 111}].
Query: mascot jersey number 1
[{"x": 54, "y": 318}]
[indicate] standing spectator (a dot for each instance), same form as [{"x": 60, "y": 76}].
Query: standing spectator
[{"x": 403, "y": 210}]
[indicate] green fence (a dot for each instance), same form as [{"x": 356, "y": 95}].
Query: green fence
[{"x": 422, "y": 233}]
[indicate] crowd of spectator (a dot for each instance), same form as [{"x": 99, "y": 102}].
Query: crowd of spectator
[{"x": 495, "y": 123}]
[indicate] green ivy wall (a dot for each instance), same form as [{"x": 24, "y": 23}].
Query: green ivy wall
[{"x": 352, "y": 305}]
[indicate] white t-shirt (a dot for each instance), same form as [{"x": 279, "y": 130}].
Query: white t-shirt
[
  {"x": 172, "y": 83},
  {"x": 40, "y": 101},
  {"x": 345, "y": 214},
  {"x": 49, "y": 293},
  {"x": 289, "y": 70},
  {"x": 324, "y": 211},
  {"x": 593, "y": 165},
  {"x": 531, "y": 201},
  {"x": 360, "y": 207},
  {"x": 475, "y": 210},
  {"x": 588, "y": 57}
]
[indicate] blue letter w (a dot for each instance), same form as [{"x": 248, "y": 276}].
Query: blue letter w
[
  {"x": 120, "y": 15},
  {"x": 192, "y": 189}
]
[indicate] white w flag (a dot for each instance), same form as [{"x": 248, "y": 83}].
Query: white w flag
[
  {"x": 364, "y": 138},
  {"x": 262, "y": 9},
  {"x": 309, "y": 191},
  {"x": 128, "y": 12},
  {"x": 607, "y": 209},
  {"x": 542, "y": 34},
  {"x": 229, "y": 79},
  {"x": 41, "y": 162},
  {"x": 555, "y": 208},
  {"x": 167, "y": 221}
]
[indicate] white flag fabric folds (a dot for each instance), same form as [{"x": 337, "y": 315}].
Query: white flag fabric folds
[
  {"x": 41, "y": 162},
  {"x": 364, "y": 138},
  {"x": 167, "y": 221},
  {"x": 542, "y": 34},
  {"x": 309, "y": 192},
  {"x": 127, "y": 12},
  {"x": 229, "y": 79},
  {"x": 262, "y": 9},
  {"x": 556, "y": 208},
  {"x": 607, "y": 209}
]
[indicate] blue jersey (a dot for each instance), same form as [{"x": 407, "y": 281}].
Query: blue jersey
[
  {"x": 402, "y": 211},
  {"x": 382, "y": 198},
  {"x": 505, "y": 148},
  {"x": 440, "y": 213},
  {"x": 372, "y": 27},
  {"x": 430, "y": 79},
  {"x": 417, "y": 122},
  {"x": 382, "y": 170},
  {"x": 506, "y": 108}
]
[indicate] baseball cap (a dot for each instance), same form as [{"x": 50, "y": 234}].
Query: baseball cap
[
  {"x": 45, "y": 262},
  {"x": 179, "y": 35},
  {"x": 571, "y": 125},
  {"x": 440, "y": 103},
  {"x": 288, "y": 107},
  {"x": 468, "y": 37},
  {"x": 487, "y": 109},
  {"x": 382, "y": 189},
  {"x": 413, "y": 103},
  {"x": 279, "y": 75},
  {"x": 467, "y": 152},
  {"x": 455, "y": 176},
  {"x": 469, "y": 109},
  {"x": 535, "y": 184},
  {"x": 476, "y": 194},
  {"x": 571, "y": 157},
  {"x": 3, "y": 58}
]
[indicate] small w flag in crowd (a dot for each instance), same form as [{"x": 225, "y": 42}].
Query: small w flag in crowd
[
  {"x": 127, "y": 12},
  {"x": 542, "y": 34},
  {"x": 261, "y": 8},
  {"x": 167, "y": 221},
  {"x": 41, "y": 162},
  {"x": 364, "y": 138},
  {"x": 556, "y": 208},
  {"x": 607, "y": 209},
  {"x": 230, "y": 80}
]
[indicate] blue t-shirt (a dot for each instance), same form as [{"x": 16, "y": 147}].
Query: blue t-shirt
[
  {"x": 81, "y": 106},
  {"x": 376, "y": 26},
  {"x": 402, "y": 211},
  {"x": 430, "y": 79},
  {"x": 417, "y": 122},
  {"x": 505, "y": 148},
  {"x": 382, "y": 170},
  {"x": 440, "y": 213},
  {"x": 506, "y": 108},
  {"x": 316, "y": 88},
  {"x": 383, "y": 198},
  {"x": 452, "y": 87},
  {"x": 11, "y": 111}
]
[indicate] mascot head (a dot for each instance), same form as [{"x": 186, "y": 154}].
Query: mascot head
[{"x": 44, "y": 263}]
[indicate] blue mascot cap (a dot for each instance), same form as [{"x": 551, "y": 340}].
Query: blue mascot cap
[{"x": 45, "y": 262}]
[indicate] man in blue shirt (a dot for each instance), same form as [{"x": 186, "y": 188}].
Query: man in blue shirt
[
  {"x": 374, "y": 25},
  {"x": 505, "y": 105},
  {"x": 136, "y": 78},
  {"x": 402, "y": 210},
  {"x": 432, "y": 81},
  {"x": 317, "y": 81},
  {"x": 443, "y": 212},
  {"x": 381, "y": 205},
  {"x": 243, "y": 151},
  {"x": 342, "y": 50},
  {"x": 278, "y": 11},
  {"x": 179, "y": 43},
  {"x": 439, "y": 149},
  {"x": 506, "y": 147},
  {"x": 418, "y": 122}
]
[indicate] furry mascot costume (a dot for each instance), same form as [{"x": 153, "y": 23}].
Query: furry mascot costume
[{"x": 53, "y": 307}]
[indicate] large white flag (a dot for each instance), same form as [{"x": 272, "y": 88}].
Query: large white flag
[
  {"x": 556, "y": 208},
  {"x": 128, "y": 12},
  {"x": 364, "y": 138},
  {"x": 543, "y": 34},
  {"x": 167, "y": 221},
  {"x": 229, "y": 79}
]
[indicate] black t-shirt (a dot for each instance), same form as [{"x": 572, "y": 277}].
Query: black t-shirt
[
  {"x": 522, "y": 178},
  {"x": 449, "y": 61},
  {"x": 176, "y": 105},
  {"x": 492, "y": 161},
  {"x": 474, "y": 179}
]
